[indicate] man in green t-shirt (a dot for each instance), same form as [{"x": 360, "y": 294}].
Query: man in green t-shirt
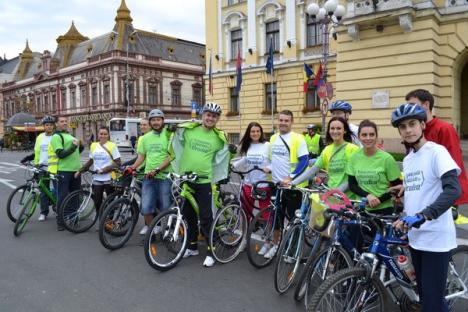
[
  {"x": 64, "y": 159},
  {"x": 201, "y": 149},
  {"x": 153, "y": 151}
]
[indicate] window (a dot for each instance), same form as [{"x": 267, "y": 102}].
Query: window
[
  {"x": 234, "y": 102},
  {"x": 270, "y": 90},
  {"x": 236, "y": 43},
  {"x": 39, "y": 104},
  {"x": 54, "y": 102},
  {"x": 63, "y": 98},
  {"x": 106, "y": 94},
  {"x": 131, "y": 92},
  {"x": 152, "y": 93},
  {"x": 46, "y": 103},
  {"x": 72, "y": 98},
  {"x": 312, "y": 98},
  {"x": 314, "y": 33},
  {"x": 175, "y": 93},
  {"x": 94, "y": 96},
  {"x": 83, "y": 102},
  {"x": 234, "y": 138},
  {"x": 272, "y": 31},
  {"x": 197, "y": 93}
]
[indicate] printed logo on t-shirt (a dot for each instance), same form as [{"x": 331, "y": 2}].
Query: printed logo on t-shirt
[
  {"x": 279, "y": 150},
  {"x": 155, "y": 148},
  {"x": 368, "y": 177},
  {"x": 255, "y": 160},
  {"x": 414, "y": 181},
  {"x": 200, "y": 146},
  {"x": 336, "y": 166}
]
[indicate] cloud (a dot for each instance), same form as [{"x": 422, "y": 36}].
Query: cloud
[{"x": 43, "y": 21}]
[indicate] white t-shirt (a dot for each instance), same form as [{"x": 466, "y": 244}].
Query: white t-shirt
[
  {"x": 44, "y": 155},
  {"x": 257, "y": 155},
  {"x": 355, "y": 134},
  {"x": 280, "y": 163},
  {"x": 102, "y": 159},
  {"x": 422, "y": 172}
]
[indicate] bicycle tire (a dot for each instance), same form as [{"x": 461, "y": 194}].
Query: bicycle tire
[
  {"x": 300, "y": 291},
  {"x": 164, "y": 235},
  {"x": 111, "y": 228},
  {"x": 81, "y": 219},
  {"x": 26, "y": 213},
  {"x": 14, "y": 212},
  {"x": 459, "y": 259},
  {"x": 346, "y": 281},
  {"x": 261, "y": 232},
  {"x": 108, "y": 200},
  {"x": 340, "y": 259},
  {"x": 288, "y": 258},
  {"x": 228, "y": 232}
]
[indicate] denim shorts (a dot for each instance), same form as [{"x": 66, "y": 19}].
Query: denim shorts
[{"x": 156, "y": 194}]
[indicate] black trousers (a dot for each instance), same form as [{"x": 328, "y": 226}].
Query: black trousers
[
  {"x": 98, "y": 192},
  {"x": 203, "y": 197}
]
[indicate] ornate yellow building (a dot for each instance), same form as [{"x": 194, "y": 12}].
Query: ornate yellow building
[{"x": 383, "y": 50}]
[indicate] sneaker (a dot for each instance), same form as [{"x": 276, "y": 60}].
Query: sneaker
[
  {"x": 60, "y": 228},
  {"x": 264, "y": 249},
  {"x": 190, "y": 252},
  {"x": 243, "y": 245},
  {"x": 157, "y": 229},
  {"x": 209, "y": 262},
  {"x": 271, "y": 253},
  {"x": 42, "y": 217},
  {"x": 144, "y": 230}
]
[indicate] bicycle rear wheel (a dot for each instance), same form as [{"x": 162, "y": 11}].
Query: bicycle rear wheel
[
  {"x": 165, "y": 241},
  {"x": 289, "y": 257},
  {"x": 78, "y": 211},
  {"x": 26, "y": 213},
  {"x": 227, "y": 234},
  {"x": 459, "y": 264},
  {"x": 117, "y": 223},
  {"x": 16, "y": 201},
  {"x": 350, "y": 290},
  {"x": 264, "y": 233}
]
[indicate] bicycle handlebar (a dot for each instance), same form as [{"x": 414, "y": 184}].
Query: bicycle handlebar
[{"x": 246, "y": 172}]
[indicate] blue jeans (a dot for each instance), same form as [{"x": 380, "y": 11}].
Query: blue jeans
[
  {"x": 67, "y": 183},
  {"x": 155, "y": 193}
]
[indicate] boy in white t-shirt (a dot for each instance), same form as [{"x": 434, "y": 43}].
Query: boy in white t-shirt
[{"x": 430, "y": 187}]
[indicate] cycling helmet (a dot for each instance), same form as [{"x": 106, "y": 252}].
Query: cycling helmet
[
  {"x": 311, "y": 126},
  {"x": 408, "y": 111},
  {"x": 155, "y": 113},
  {"x": 212, "y": 107},
  {"x": 48, "y": 119},
  {"x": 342, "y": 106}
]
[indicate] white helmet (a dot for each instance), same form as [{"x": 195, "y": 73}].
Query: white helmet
[
  {"x": 212, "y": 107},
  {"x": 155, "y": 113}
]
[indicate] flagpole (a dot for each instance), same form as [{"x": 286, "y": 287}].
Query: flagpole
[{"x": 272, "y": 103}]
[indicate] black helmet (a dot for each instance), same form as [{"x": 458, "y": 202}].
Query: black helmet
[{"x": 48, "y": 119}]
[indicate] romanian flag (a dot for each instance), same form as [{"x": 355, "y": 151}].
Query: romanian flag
[
  {"x": 318, "y": 76},
  {"x": 238, "y": 70},
  {"x": 308, "y": 72}
]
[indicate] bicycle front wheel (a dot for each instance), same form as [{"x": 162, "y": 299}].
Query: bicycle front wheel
[
  {"x": 78, "y": 211},
  {"x": 117, "y": 223},
  {"x": 16, "y": 201},
  {"x": 227, "y": 234},
  {"x": 349, "y": 290},
  {"x": 263, "y": 236},
  {"x": 166, "y": 241},
  {"x": 25, "y": 214},
  {"x": 289, "y": 258},
  {"x": 458, "y": 265}
]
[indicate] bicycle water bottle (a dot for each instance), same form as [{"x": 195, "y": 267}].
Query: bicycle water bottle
[
  {"x": 406, "y": 266},
  {"x": 363, "y": 203}
]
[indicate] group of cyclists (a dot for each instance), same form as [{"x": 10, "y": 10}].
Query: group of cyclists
[{"x": 432, "y": 180}]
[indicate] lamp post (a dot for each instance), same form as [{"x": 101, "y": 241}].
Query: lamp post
[{"x": 328, "y": 17}]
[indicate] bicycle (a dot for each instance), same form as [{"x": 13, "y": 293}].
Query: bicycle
[
  {"x": 30, "y": 197},
  {"x": 229, "y": 227},
  {"x": 78, "y": 210},
  {"x": 167, "y": 236},
  {"x": 119, "y": 218},
  {"x": 290, "y": 252},
  {"x": 364, "y": 287}
]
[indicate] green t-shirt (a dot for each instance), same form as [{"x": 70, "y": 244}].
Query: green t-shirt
[
  {"x": 72, "y": 162},
  {"x": 334, "y": 162},
  {"x": 374, "y": 173},
  {"x": 155, "y": 147},
  {"x": 200, "y": 148},
  {"x": 142, "y": 166}
]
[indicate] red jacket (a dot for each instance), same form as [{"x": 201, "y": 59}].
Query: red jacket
[{"x": 443, "y": 133}]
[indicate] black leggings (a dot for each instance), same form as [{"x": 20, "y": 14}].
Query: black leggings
[{"x": 98, "y": 191}]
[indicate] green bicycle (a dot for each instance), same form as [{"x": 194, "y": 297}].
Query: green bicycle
[
  {"x": 24, "y": 199},
  {"x": 167, "y": 237}
]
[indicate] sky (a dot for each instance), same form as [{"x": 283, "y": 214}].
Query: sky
[{"x": 41, "y": 22}]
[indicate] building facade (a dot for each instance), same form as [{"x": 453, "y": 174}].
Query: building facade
[
  {"x": 86, "y": 79},
  {"x": 381, "y": 51}
]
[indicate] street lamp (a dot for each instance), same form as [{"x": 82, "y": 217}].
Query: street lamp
[{"x": 328, "y": 17}]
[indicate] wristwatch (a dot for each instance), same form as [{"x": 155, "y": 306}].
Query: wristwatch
[{"x": 158, "y": 170}]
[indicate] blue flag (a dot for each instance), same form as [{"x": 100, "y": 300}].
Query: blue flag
[
  {"x": 238, "y": 70},
  {"x": 269, "y": 63}
]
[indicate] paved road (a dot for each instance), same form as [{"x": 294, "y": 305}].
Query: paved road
[{"x": 46, "y": 270}]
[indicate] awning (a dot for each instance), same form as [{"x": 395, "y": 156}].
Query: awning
[{"x": 29, "y": 129}]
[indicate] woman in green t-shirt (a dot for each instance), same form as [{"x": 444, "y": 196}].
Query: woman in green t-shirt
[{"x": 372, "y": 171}]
